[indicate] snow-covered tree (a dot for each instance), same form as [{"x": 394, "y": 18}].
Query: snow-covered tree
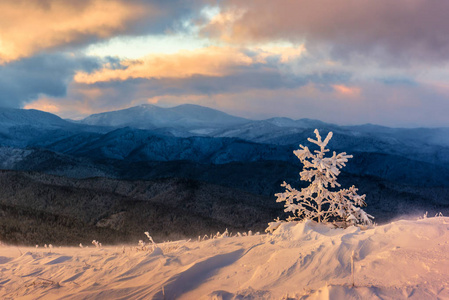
[{"x": 317, "y": 202}]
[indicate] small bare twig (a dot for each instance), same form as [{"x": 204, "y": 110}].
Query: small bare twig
[
  {"x": 44, "y": 282},
  {"x": 50, "y": 281},
  {"x": 352, "y": 268}
]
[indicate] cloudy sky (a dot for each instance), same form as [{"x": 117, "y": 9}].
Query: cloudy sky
[{"x": 342, "y": 61}]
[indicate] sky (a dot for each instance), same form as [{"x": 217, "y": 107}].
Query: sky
[{"x": 341, "y": 61}]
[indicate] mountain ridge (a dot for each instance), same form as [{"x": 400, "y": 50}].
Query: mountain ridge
[
  {"x": 400, "y": 170},
  {"x": 147, "y": 116}
]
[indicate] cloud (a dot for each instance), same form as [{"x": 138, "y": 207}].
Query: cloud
[
  {"x": 373, "y": 102},
  {"x": 345, "y": 61},
  {"x": 255, "y": 82},
  {"x": 102, "y": 93},
  {"x": 44, "y": 104},
  {"x": 347, "y": 91},
  {"x": 27, "y": 79},
  {"x": 211, "y": 61},
  {"x": 209, "y": 71},
  {"x": 30, "y": 27},
  {"x": 401, "y": 30}
]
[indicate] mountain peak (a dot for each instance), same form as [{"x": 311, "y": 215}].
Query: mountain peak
[
  {"x": 149, "y": 116},
  {"x": 146, "y": 106}
]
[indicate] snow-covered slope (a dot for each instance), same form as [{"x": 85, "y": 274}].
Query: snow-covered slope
[
  {"x": 142, "y": 145},
  {"x": 14, "y": 117},
  {"x": 206, "y": 136},
  {"x": 271, "y": 130},
  {"x": 10, "y": 117},
  {"x": 30, "y": 128},
  {"x": 149, "y": 116},
  {"x": 401, "y": 260}
]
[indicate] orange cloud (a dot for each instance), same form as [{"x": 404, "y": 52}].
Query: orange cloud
[
  {"x": 212, "y": 61},
  {"x": 346, "y": 90},
  {"x": 72, "y": 109},
  {"x": 44, "y": 104},
  {"x": 285, "y": 53},
  {"x": 27, "y": 27}
]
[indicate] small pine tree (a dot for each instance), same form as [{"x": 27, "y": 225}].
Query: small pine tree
[{"x": 316, "y": 202}]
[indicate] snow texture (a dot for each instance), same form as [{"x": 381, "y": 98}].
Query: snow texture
[{"x": 300, "y": 260}]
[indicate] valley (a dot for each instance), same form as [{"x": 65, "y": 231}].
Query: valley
[{"x": 101, "y": 179}]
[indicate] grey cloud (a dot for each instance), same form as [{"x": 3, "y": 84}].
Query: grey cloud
[
  {"x": 246, "y": 78},
  {"x": 392, "y": 104},
  {"x": 24, "y": 80},
  {"x": 401, "y": 31},
  {"x": 173, "y": 13}
]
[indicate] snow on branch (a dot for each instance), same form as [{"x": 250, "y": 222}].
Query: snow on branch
[{"x": 316, "y": 202}]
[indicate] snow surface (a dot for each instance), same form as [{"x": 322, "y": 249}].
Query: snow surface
[{"x": 400, "y": 260}]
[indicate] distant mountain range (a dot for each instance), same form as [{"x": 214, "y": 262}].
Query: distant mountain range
[
  {"x": 103, "y": 144},
  {"x": 185, "y": 117},
  {"x": 205, "y": 145},
  {"x": 203, "y": 135}
]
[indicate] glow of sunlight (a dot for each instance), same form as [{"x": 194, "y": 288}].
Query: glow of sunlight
[
  {"x": 211, "y": 61},
  {"x": 346, "y": 90},
  {"x": 44, "y": 105},
  {"x": 137, "y": 47}
]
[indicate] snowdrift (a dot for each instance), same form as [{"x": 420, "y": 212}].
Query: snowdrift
[{"x": 401, "y": 260}]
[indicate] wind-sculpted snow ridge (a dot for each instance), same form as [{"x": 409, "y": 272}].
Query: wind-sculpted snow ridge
[{"x": 300, "y": 260}]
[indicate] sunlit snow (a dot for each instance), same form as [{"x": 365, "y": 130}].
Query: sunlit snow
[{"x": 306, "y": 260}]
